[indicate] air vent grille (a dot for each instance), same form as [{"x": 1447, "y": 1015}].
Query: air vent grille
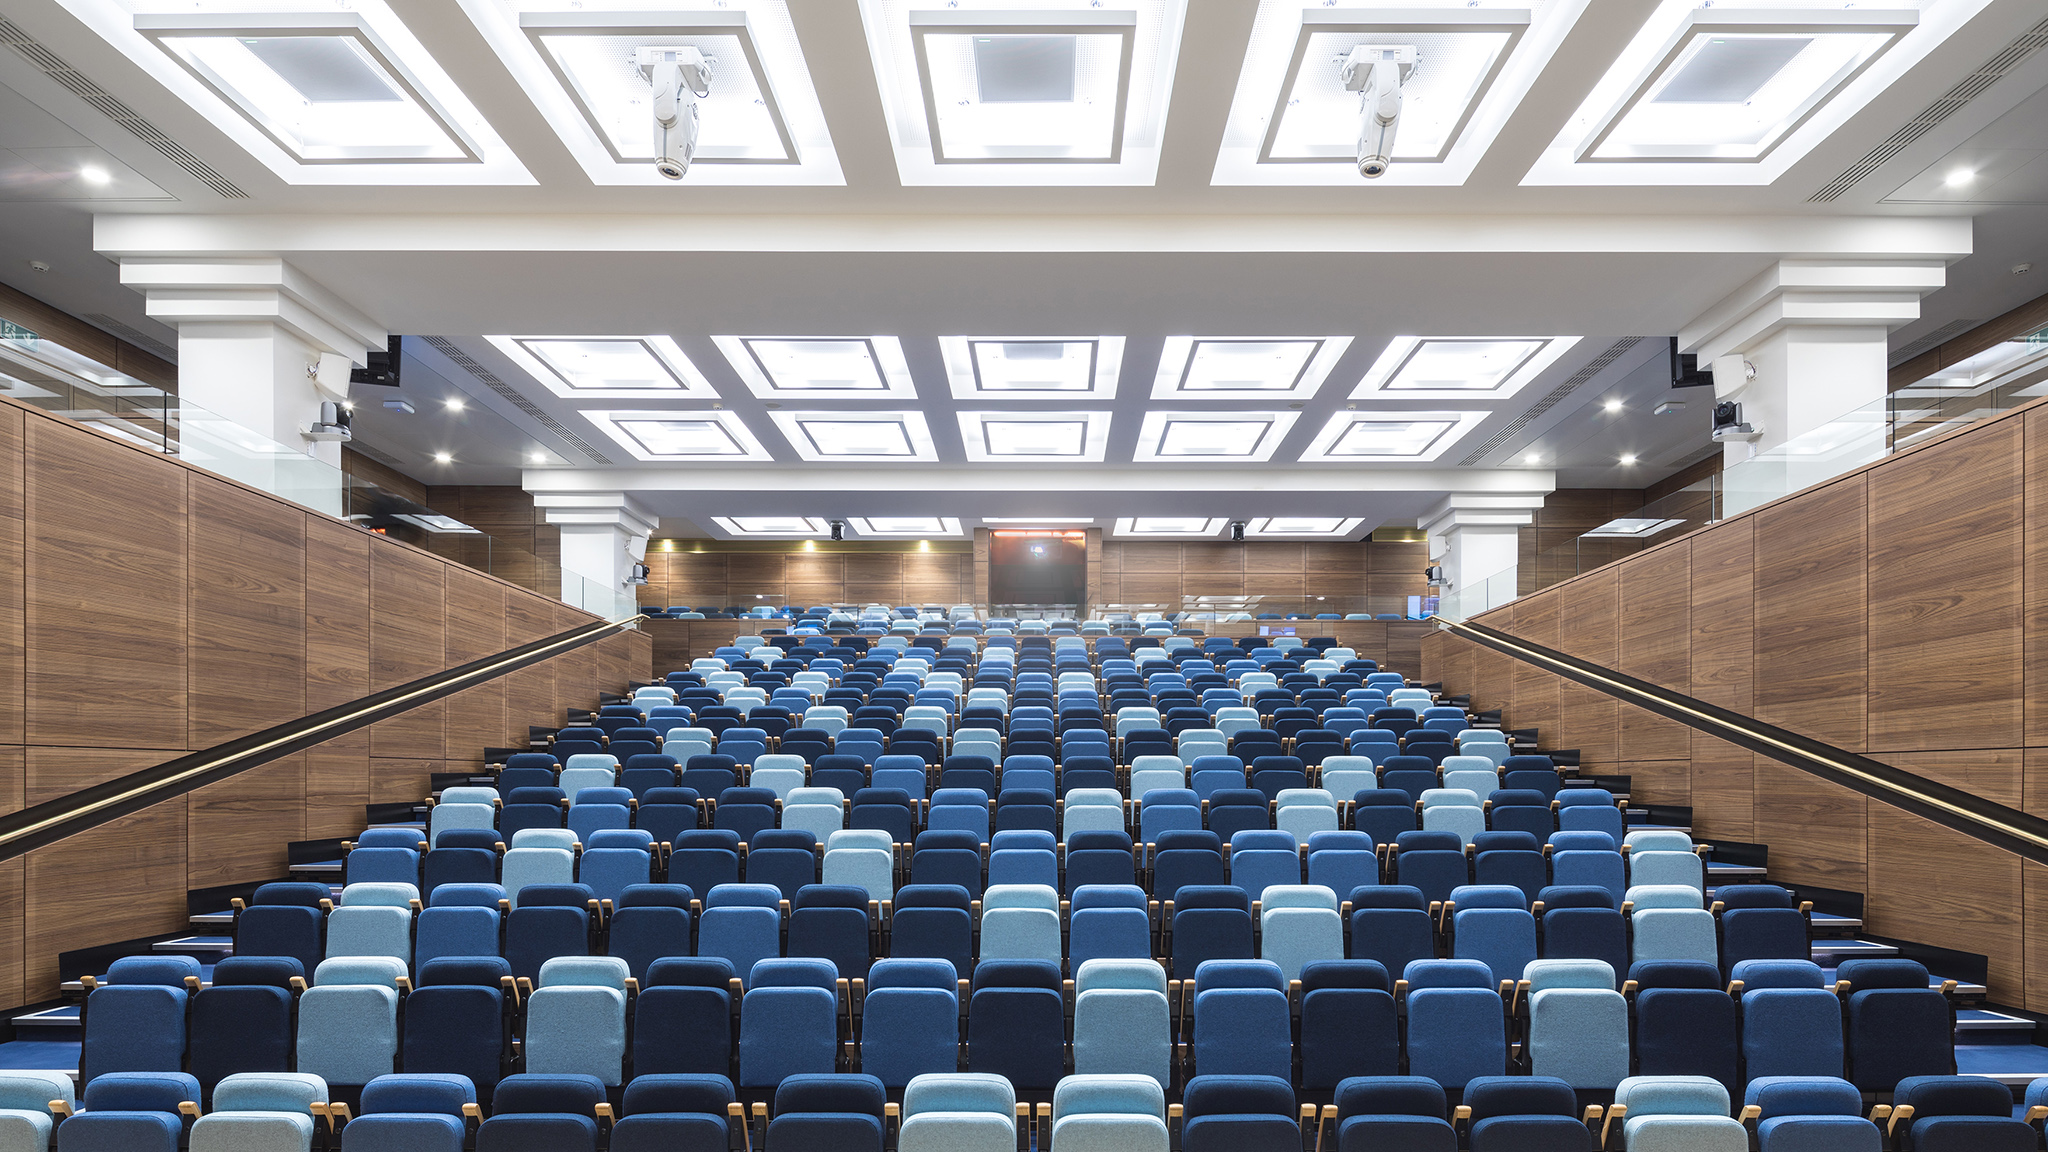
[
  {"x": 1950, "y": 102},
  {"x": 1941, "y": 335},
  {"x": 491, "y": 381},
  {"x": 85, "y": 89},
  {"x": 147, "y": 343},
  {"x": 1552, "y": 398}
]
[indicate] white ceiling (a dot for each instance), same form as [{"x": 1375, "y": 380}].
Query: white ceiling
[{"x": 1491, "y": 255}]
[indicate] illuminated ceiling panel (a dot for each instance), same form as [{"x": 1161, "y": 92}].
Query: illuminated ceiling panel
[
  {"x": 607, "y": 367},
  {"x": 1032, "y": 367},
  {"x": 1459, "y": 367},
  {"x": 1368, "y": 437},
  {"x": 1245, "y": 367},
  {"x": 706, "y": 436}
]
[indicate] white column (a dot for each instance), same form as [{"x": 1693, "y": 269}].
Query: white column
[
  {"x": 604, "y": 534},
  {"x": 250, "y": 334},
  {"x": 1805, "y": 344},
  {"x": 1474, "y": 536}
]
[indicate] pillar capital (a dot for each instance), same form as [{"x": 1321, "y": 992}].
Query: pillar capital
[
  {"x": 598, "y": 510},
  {"x": 1814, "y": 293},
  {"x": 183, "y": 292},
  {"x": 1481, "y": 510}
]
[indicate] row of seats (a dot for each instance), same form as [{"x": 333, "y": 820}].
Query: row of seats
[
  {"x": 967, "y": 1112},
  {"x": 1447, "y": 1019}
]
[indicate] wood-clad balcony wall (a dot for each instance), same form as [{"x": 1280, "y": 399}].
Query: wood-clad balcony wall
[
  {"x": 1899, "y": 611},
  {"x": 149, "y": 608}
]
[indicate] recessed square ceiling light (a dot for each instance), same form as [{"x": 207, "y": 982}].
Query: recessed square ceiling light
[
  {"x": 761, "y": 122},
  {"x": 1032, "y": 367},
  {"x": 321, "y": 85},
  {"x": 1332, "y": 526},
  {"x": 1209, "y": 437},
  {"x": 1634, "y": 528},
  {"x": 1292, "y": 121},
  {"x": 1459, "y": 367},
  {"x": 711, "y": 435},
  {"x": 867, "y": 437},
  {"x": 773, "y": 525},
  {"x": 1389, "y": 436},
  {"x": 905, "y": 526},
  {"x": 1728, "y": 84},
  {"x": 1025, "y": 91},
  {"x": 1184, "y": 526},
  {"x": 1034, "y": 437},
  {"x": 835, "y": 367},
  {"x": 607, "y": 366},
  {"x": 1245, "y": 367}
]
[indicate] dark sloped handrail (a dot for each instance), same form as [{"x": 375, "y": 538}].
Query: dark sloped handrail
[
  {"x": 1974, "y": 816},
  {"x": 89, "y": 808}
]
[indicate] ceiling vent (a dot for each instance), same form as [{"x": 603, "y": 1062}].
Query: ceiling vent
[
  {"x": 142, "y": 340},
  {"x": 1939, "y": 336},
  {"x": 1951, "y": 102},
  {"x": 83, "y": 87},
  {"x": 491, "y": 381},
  {"x": 1551, "y": 399}
]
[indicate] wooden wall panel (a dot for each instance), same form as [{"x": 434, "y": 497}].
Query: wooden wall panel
[
  {"x": 105, "y": 592},
  {"x": 1535, "y": 693},
  {"x": 1723, "y": 790},
  {"x": 70, "y": 902},
  {"x": 248, "y": 612},
  {"x": 2035, "y": 558},
  {"x": 337, "y": 787},
  {"x": 1587, "y": 629},
  {"x": 408, "y": 630},
  {"x": 1723, "y": 614},
  {"x": 1972, "y": 902},
  {"x": 1656, "y": 645},
  {"x": 1946, "y": 583},
  {"x": 1812, "y": 613},
  {"x": 1816, "y": 829},
  {"x": 476, "y": 628},
  {"x": 13, "y": 654},
  {"x": 337, "y": 613},
  {"x": 238, "y": 828}
]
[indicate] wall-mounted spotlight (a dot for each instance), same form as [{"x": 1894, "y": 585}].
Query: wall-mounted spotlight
[
  {"x": 1237, "y": 530},
  {"x": 839, "y": 529}
]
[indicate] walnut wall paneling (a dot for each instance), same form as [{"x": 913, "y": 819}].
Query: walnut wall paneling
[
  {"x": 408, "y": 637},
  {"x": 238, "y": 828},
  {"x": 1587, "y": 628},
  {"x": 476, "y": 628},
  {"x": 13, "y": 654},
  {"x": 1946, "y": 584},
  {"x": 107, "y": 613},
  {"x": 1655, "y": 643},
  {"x": 2035, "y": 559},
  {"x": 1812, "y": 613},
  {"x": 248, "y": 612}
]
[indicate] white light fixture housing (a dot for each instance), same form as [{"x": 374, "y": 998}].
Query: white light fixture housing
[
  {"x": 761, "y": 124},
  {"x": 1292, "y": 122},
  {"x": 1183, "y": 527},
  {"x": 904, "y": 527},
  {"x": 858, "y": 437},
  {"x": 1737, "y": 92},
  {"x": 1034, "y": 437},
  {"x": 1459, "y": 367},
  {"x": 1327, "y": 527},
  {"x": 703, "y": 435},
  {"x": 1382, "y": 437},
  {"x": 782, "y": 526},
  {"x": 320, "y": 97},
  {"x": 1263, "y": 368},
  {"x": 608, "y": 367},
  {"x": 1020, "y": 92},
  {"x": 820, "y": 367},
  {"x": 1210, "y": 437},
  {"x": 1008, "y": 368}
]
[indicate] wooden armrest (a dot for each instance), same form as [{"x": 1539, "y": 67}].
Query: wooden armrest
[
  {"x": 298, "y": 985},
  {"x": 1901, "y": 1113},
  {"x": 1593, "y": 1114},
  {"x": 472, "y": 1112},
  {"x": 1462, "y": 1113},
  {"x": 603, "y": 1112},
  {"x": 61, "y": 1109},
  {"x": 188, "y": 1108},
  {"x": 1751, "y": 1113},
  {"x": 192, "y": 985},
  {"x": 1614, "y": 1112},
  {"x": 2037, "y": 1113}
]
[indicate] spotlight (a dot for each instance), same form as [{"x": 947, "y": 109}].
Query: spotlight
[
  {"x": 93, "y": 174},
  {"x": 1532, "y": 458},
  {"x": 537, "y": 458},
  {"x": 1961, "y": 178},
  {"x": 1628, "y": 458},
  {"x": 1613, "y": 405},
  {"x": 454, "y": 403},
  {"x": 1237, "y": 530},
  {"x": 839, "y": 529},
  {"x": 443, "y": 458}
]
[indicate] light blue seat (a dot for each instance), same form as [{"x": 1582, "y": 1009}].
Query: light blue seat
[
  {"x": 1020, "y": 922},
  {"x": 1578, "y": 1023},
  {"x": 576, "y": 1018},
  {"x": 348, "y": 1020},
  {"x": 1109, "y": 1113},
  {"x": 1678, "y": 1114},
  {"x": 260, "y": 1112},
  {"x": 958, "y": 1112},
  {"x": 1667, "y": 923},
  {"x": 524, "y": 866},
  {"x": 1299, "y": 924},
  {"x": 1121, "y": 1021},
  {"x": 25, "y": 1117}
]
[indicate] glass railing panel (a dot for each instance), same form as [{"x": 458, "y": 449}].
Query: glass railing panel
[{"x": 1849, "y": 441}]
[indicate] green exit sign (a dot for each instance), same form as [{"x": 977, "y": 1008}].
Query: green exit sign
[{"x": 12, "y": 331}]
